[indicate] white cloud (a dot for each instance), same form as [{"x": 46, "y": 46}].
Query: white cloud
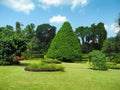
[
  {"x": 58, "y": 19},
  {"x": 19, "y": 5},
  {"x": 113, "y": 27},
  {"x": 73, "y": 3}
]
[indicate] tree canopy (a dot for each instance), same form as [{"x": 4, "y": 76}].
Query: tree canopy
[
  {"x": 10, "y": 47},
  {"x": 45, "y": 33},
  {"x": 92, "y": 37}
]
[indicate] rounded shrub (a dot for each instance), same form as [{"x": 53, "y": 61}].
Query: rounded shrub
[
  {"x": 65, "y": 45},
  {"x": 98, "y": 60}
]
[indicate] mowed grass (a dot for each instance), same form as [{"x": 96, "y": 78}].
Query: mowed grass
[{"x": 77, "y": 76}]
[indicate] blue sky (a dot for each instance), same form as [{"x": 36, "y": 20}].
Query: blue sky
[{"x": 55, "y": 12}]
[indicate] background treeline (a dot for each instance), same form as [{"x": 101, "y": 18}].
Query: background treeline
[
  {"x": 37, "y": 40},
  {"x": 31, "y": 40},
  {"x": 91, "y": 38}
]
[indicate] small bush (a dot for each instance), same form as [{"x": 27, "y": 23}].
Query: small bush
[
  {"x": 98, "y": 60},
  {"x": 116, "y": 57},
  {"x": 50, "y": 61},
  {"x": 4, "y": 63},
  {"x": 113, "y": 65},
  {"x": 44, "y": 67}
]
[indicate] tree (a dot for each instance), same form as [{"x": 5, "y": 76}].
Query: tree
[
  {"x": 45, "y": 33},
  {"x": 111, "y": 45},
  {"x": 65, "y": 45},
  {"x": 118, "y": 34},
  {"x": 18, "y": 28},
  {"x": 92, "y": 37},
  {"x": 6, "y": 31},
  {"x": 102, "y": 34},
  {"x": 119, "y": 20},
  {"x": 29, "y": 31},
  {"x": 82, "y": 33},
  {"x": 10, "y": 47}
]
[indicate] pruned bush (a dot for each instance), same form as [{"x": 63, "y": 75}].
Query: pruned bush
[
  {"x": 44, "y": 67},
  {"x": 65, "y": 45},
  {"x": 98, "y": 60}
]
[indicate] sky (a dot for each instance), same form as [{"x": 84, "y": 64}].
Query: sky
[{"x": 56, "y": 12}]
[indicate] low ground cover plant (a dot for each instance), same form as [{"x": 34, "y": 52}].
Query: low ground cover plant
[{"x": 44, "y": 67}]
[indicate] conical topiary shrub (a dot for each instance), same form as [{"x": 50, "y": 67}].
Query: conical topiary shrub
[{"x": 65, "y": 45}]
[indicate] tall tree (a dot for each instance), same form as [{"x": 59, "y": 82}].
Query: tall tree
[
  {"x": 29, "y": 31},
  {"x": 45, "y": 33},
  {"x": 6, "y": 31},
  {"x": 65, "y": 45},
  {"x": 102, "y": 34},
  {"x": 97, "y": 35},
  {"x": 82, "y": 32},
  {"x": 92, "y": 37},
  {"x": 118, "y": 34},
  {"x": 18, "y": 27},
  {"x": 10, "y": 47}
]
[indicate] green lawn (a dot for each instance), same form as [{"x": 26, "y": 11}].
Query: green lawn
[{"x": 75, "y": 77}]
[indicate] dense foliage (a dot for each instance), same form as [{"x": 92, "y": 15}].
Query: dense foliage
[
  {"x": 65, "y": 45},
  {"x": 45, "y": 33},
  {"x": 111, "y": 47},
  {"x": 97, "y": 60},
  {"x": 92, "y": 37},
  {"x": 10, "y": 47}
]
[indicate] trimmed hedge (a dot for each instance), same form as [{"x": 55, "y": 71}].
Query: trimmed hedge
[{"x": 65, "y": 45}]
